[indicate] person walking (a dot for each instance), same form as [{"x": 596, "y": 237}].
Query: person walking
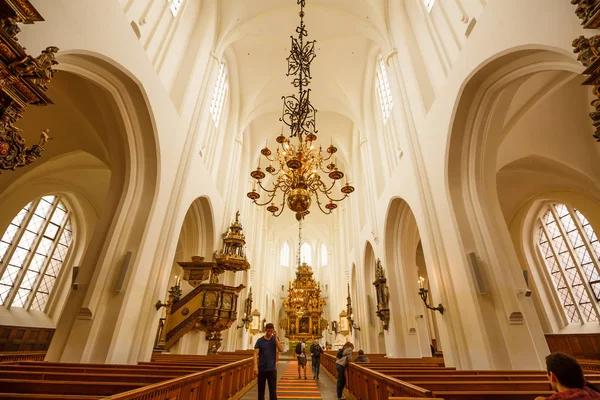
[
  {"x": 344, "y": 356},
  {"x": 265, "y": 361},
  {"x": 301, "y": 357},
  {"x": 315, "y": 353}
]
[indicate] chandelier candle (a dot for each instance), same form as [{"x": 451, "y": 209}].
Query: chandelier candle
[{"x": 300, "y": 168}]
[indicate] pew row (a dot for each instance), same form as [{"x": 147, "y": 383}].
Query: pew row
[
  {"x": 396, "y": 379},
  {"x": 92, "y": 381},
  {"x": 22, "y": 356}
]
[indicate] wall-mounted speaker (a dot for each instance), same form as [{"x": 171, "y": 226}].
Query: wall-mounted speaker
[
  {"x": 478, "y": 274},
  {"x": 74, "y": 273},
  {"x": 123, "y": 271},
  {"x": 526, "y": 277}
]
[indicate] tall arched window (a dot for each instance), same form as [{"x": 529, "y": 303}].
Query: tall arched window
[
  {"x": 323, "y": 254},
  {"x": 284, "y": 256},
  {"x": 32, "y": 251},
  {"x": 384, "y": 93},
  {"x": 175, "y": 6},
  {"x": 216, "y": 103},
  {"x": 428, "y": 4},
  {"x": 306, "y": 254},
  {"x": 571, "y": 251}
]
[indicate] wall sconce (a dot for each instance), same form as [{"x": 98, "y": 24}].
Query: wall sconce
[
  {"x": 343, "y": 325},
  {"x": 352, "y": 326},
  {"x": 262, "y": 325},
  {"x": 423, "y": 294},
  {"x": 174, "y": 295}
]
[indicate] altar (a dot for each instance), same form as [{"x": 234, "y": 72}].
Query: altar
[{"x": 303, "y": 307}]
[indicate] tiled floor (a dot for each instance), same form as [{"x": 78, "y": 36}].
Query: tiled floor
[{"x": 325, "y": 384}]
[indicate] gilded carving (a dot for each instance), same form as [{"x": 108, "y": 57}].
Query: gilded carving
[
  {"x": 212, "y": 306},
  {"x": 23, "y": 80},
  {"x": 383, "y": 295}
]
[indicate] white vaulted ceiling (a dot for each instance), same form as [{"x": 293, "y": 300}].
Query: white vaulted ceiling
[
  {"x": 257, "y": 33},
  {"x": 254, "y": 36}
]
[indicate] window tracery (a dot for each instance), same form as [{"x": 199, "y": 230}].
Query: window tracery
[
  {"x": 32, "y": 251},
  {"x": 428, "y": 4},
  {"x": 571, "y": 252},
  {"x": 175, "y": 6},
  {"x": 218, "y": 98},
  {"x": 384, "y": 93}
]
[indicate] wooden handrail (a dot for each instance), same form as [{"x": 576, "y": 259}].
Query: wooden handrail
[
  {"x": 363, "y": 383},
  {"x": 392, "y": 384},
  {"x": 216, "y": 383}
]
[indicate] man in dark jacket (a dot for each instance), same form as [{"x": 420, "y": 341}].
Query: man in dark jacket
[{"x": 315, "y": 353}]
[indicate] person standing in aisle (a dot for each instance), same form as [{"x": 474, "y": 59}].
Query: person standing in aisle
[{"x": 265, "y": 361}]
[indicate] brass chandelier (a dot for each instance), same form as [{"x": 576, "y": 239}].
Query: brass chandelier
[{"x": 298, "y": 164}]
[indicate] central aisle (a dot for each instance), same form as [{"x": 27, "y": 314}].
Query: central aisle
[{"x": 290, "y": 387}]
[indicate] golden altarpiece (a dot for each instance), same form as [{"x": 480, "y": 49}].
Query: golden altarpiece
[{"x": 303, "y": 307}]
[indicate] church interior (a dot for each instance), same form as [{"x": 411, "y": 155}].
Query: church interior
[{"x": 415, "y": 177}]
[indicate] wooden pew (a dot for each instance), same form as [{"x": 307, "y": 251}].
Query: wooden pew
[
  {"x": 22, "y": 356},
  {"x": 43, "y": 380}
]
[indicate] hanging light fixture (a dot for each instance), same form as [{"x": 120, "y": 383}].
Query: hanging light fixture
[{"x": 298, "y": 164}]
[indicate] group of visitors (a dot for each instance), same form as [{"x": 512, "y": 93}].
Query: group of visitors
[
  {"x": 315, "y": 353},
  {"x": 564, "y": 372}
]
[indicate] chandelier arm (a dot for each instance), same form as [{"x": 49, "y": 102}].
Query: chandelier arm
[
  {"x": 267, "y": 202},
  {"x": 282, "y": 205},
  {"x": 320, "y": 207},
  {"x": 334, "y": 199},
  {"x": 267, "y": 190}
]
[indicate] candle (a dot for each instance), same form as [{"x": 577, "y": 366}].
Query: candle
[
  {"x": 254, "y": 186},
  {"x": 421, "y": 280},
  {"x": 175, "y": 280},
  {"x": 267, "y": 144}
]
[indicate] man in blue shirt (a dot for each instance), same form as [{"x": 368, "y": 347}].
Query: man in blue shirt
[{"x": 265, "y": 361}]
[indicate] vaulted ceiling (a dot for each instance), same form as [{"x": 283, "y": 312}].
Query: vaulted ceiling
[{"x": 254, "y": 37}]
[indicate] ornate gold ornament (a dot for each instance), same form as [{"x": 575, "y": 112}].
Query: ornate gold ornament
[
  {"x": 383, "y": 295},
  {"x": 304, "y": 305},
  {"x": 298, "y": 163},
  {"x": 210, "y": 307},
  {"x": 589, "y": 12},
  {"x": 349, "y": 314},
  {"x": 24, "y": 81}
]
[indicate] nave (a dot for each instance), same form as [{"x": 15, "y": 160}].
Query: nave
[{"x": 291, "y": 388}]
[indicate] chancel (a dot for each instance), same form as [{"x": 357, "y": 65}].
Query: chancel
[{"x": 158, "y": 159}]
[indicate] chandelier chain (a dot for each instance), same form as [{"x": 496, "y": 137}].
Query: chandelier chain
[{"x": 299, "y": 169}]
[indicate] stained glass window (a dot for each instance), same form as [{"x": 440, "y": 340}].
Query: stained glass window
[
  {"x": 306, "y": 254},
  {"x": 175, "y": 6},
  {"x": 384, "y": 93},
  {"x": 216, "y": 103},
  {"x": 570, "y": 250},
  {"x": 32, "y": 251},
  {"x": 284, "y": 257}
]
